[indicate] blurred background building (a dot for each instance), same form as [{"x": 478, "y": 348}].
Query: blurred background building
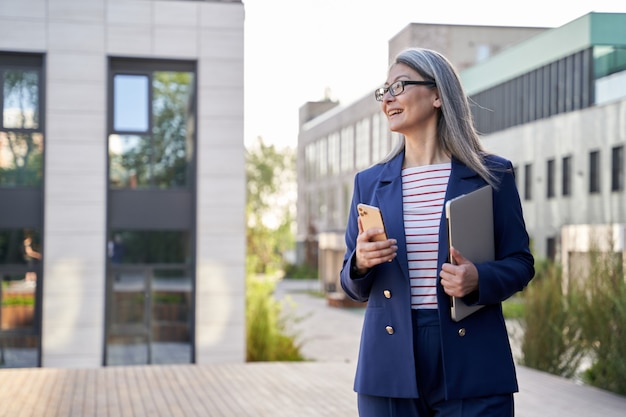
[
  {"x": 551, "y": 100},
  {"x": 122, "y": 182}
]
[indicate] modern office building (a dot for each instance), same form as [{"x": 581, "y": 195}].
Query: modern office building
[
  {"x": 554, "y": 103},
  {"x": 122, "y": 182}
]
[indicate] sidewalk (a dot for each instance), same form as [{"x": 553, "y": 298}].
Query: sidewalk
[
  {"x": 321, "y": 387},
  {"x": 332, "y": 334}
]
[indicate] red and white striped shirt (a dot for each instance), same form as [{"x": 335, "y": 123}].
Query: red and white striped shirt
[{"x": 423, "y": 195}]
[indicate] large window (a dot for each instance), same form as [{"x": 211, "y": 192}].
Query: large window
[
  {"x": 150, "y": 289},
  {"x": 21, "y": 208},
  {"x": 150, "y": 250},
  {"x": 151, "y": 140}
]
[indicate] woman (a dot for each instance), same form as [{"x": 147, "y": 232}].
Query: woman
[{"x": 414, "y": 360}]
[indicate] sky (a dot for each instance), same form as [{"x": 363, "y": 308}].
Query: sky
[{"x": 299, "y": 50}]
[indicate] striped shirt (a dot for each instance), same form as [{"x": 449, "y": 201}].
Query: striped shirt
[{"x": 423, "y": 195}]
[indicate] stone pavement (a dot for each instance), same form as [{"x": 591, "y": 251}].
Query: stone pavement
[{"x": 318, "y": 388}]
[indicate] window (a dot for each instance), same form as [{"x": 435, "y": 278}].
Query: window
[
  {"x": 21, "y": 208},
  {"x": 310, "y": 153},
  {"x": 347, "y": 149},
  {"x": 150, "y": 219},
  {"x": 617, "y": 168},
  {"x": 333, "y": 153},
  {"x": 362, "y": 140},
  {"x": 21, "y": 124},
  {"x": 377, "y": 142},
  {"x": 323, "y": 157},
  {"x": 594, "y": 172},
  {"x": 150, "y": 312},
  {"x": 528, "y": 182},
  {"x": 550, "y": 179},
  {"x": 566, "y": 176},
  {"x": 551, "y": 248},
  {"x": 150, "y": 142}
]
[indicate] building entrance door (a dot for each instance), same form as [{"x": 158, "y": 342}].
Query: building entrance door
[{"x": 149, "y": 317}]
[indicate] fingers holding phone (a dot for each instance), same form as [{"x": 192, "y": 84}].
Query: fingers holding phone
[{"x": 373, "y": 245}]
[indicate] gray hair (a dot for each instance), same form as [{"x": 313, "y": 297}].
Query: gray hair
[{"x": 455, "y": 127}]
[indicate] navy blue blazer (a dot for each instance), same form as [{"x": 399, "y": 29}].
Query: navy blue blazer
[{"x": 477, "y": 357}]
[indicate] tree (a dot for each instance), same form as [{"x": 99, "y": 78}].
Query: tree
[{"x": 270, "y": 208}]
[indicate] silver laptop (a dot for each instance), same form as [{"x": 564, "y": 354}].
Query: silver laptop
[{"x": 470, "y": 230}]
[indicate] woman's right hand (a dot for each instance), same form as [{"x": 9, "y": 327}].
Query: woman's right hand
[{"x": 371, "y": 253}]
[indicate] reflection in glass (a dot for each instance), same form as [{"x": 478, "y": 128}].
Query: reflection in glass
[
  {"x": 162, "y": 157},
  {"x": 152, "y": 247},
  {"x": 21, "y": 159},
  {"x": 128, "y": 321},
  {"x": 20, "y": 266},
  {"x": 21, "y": 99},
  {"x": 172, "y": 94},
  {"x": 150, "y": 305},
  {"x": 130, "y": 103},
  {"x": 20, "y": 247},
  {"x": 171, "y": 316},
  {"x": 129, "y": 161}
]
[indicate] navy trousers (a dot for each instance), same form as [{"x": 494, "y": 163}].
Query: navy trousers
[{"x": 430, "y": 384}]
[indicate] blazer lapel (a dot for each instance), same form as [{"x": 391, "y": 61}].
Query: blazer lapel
[{"x": 389, "y": 196}]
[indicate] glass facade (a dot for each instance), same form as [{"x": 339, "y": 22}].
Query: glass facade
[
  {"x": 21, "y": 208},
  {"x": 150, "y": 251},
  {"x": 155, "y": 156},
  {"x": 150, "y": 297},
  {"x": 562, "y": 86}
]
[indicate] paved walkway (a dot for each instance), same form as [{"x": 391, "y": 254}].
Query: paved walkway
[
  {"x": 318, "y": 388},
  {"x": 332, "y": 335}
]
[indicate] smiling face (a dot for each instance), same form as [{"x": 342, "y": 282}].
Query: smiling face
[{"x": 415, "y": 110}]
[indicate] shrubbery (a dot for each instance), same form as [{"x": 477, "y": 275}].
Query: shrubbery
[
  {"x": 266, "y": 326},
  {"x": 579, "y": 321}
]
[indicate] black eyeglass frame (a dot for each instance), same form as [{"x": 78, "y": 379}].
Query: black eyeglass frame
[{"x": 379, "y": 93}]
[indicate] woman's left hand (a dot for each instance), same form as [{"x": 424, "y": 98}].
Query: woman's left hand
[{"x": 460, "y": 278}]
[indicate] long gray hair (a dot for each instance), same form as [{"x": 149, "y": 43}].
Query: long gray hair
[{"x": 455, "y": 127}]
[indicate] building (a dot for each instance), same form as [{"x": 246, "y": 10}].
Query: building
[
  {"x": 122, "y": 182},
  {"x": 564, "y": 98},
  {"x": 553, "y": 103}
]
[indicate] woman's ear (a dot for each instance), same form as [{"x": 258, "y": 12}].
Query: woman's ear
[{"x": 437, "y": 103}]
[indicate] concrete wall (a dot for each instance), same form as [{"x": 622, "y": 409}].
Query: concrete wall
[{"x": 574, "y": 134}]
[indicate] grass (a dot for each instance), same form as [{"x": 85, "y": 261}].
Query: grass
[{"x": 513, "y": 308}]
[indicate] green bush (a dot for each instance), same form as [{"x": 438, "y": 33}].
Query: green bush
[
  {"x": 513, "y": 308},
  {"x": 602, "y": 319},
  {"x": 266, "y": 325},
  {"x": 583, "y": 318},
  {"x": 551, "y": 341},
  {"x": 300, "y": 271}
]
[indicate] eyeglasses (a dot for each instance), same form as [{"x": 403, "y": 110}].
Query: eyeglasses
[{"x": 398, "y": 88}]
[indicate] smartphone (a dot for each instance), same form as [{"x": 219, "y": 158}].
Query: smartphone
[{"x": 371, "y": 217}]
